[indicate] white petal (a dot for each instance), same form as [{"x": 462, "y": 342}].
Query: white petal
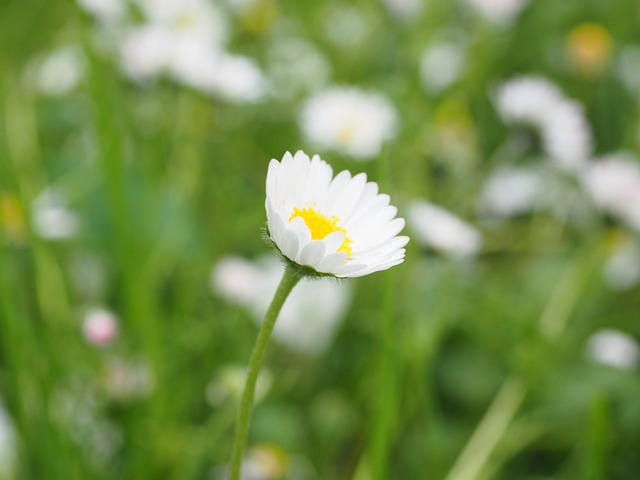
[
  {"x": 289, "y": 244},
  {"x": 312, "y": 253},
  {"x": 349, "y": 269},
  {"x": 333, "y": 241},
  {"x": 332, "y": 262}
]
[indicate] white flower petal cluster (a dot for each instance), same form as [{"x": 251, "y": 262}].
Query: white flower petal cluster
[
  {"x": 309, "y": 318},
  {"x": 60, "y": 71},
  {"x": 185, "y": 41},
  {"x": 561, "y": 122},
  {"x": 440, "y": 230},
  {"x": 614, "y": 348},
  {"x": 338, "y": 226},
  {"x": 498, "y": 11},
  {"x": 52, "y": 217},
  {"x": 442, "y": 64},
  {"x": 349, "y": 120},
  {"x": 510, "y": 191},
  {"x": 613, "y": 183}
]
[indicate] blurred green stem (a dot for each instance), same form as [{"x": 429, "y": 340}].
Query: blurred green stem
[{"x": 289, "y": 280}]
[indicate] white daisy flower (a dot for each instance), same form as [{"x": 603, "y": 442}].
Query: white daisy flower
[
  {"x": 498, "y": 11},
  {"x": 614, "y": 348},
  {"x": 614, "y": 185},
  {"x": 350, "y": 121},
  {"x": 52, "y": 218},
  {"x": 560, "y": 122},
  {"x": 442, "y": 64},
  {"x": 510, "y": 191},
  {"x": 439, "y": 229},
  {"x": 339, "y": 226},
  {"x": 61, "y": 71},
  {"x": 527, "y": 100}
]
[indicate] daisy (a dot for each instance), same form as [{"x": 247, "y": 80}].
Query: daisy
[
  {"x": 501, "y": 12},
  {"x": 614, "y": 348},
  {"x": 349, "y": 121},
  {"x": 439, "y": 229},
  {"x": 613, "y": 183},
  {"x": 561, "y": 122},
  {"x": 336, "y": 226}
]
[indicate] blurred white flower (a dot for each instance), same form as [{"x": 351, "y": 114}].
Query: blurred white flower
[
  {"x": 310, "y": 316},
  {"x": 7, "y": 443},
  {"x": 527, "y": 100},
  {"x": 270, "y": 462},
  {"x": 229, "y": 382},
  {"x": 510, "y": 191},
  {"x": 349, "y": 120},
  {"x": 52, "y": 218},
  {"x": 622, "y": 269},
  {"x": 613, "y": 183},
  {"x": 61, "y": 71},
  {"x": 441, "y": 65},
  {"x": 566, "y": 135},
  {"x": 440, "y": 230},
  {"x": 614, "y": 348},
  {"x": 333, "y": 225},
  {"x": 498, "y": 11},
  {"x": 238, "y": 79},
  {"x": 198, "y": 19},
  {"x": 295, "y": 66},
  {"x": 145, "y": 52},
  {"x": 104, "y": 10},
  {"x": 405, "y": 8},
  {"x": 560, "y": 122},
  {"x": 99, "y": 326}
]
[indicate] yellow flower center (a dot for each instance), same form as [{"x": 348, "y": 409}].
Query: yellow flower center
[{"x": 321, "y": 226}]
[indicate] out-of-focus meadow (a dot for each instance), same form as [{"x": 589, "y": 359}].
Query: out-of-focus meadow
[{"x": 134, "y": 143}]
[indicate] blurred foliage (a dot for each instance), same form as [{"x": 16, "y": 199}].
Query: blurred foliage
[{"x": 167, "y": 180}]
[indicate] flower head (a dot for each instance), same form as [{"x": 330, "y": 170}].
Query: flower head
[
  {"x": 339, "y": 226},
  {"x": 440, "y": 230},
  {"x": 350, "y": 121}
]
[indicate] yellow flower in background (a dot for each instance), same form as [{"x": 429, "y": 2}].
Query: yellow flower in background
[
  {"x": 338, "y": 226},
  {"x": 589, "y": 46},
  {"x": 12, "y": 219}
]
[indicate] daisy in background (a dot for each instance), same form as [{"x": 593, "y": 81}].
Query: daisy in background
[
  {"x": 309, "y": 319},
  {"x": 510, "y": 191},
  {"x": 322, "y": 226},
  {"x": 440, "y": 230},
  {"x": 614, "y": 348},
  {"x": 535, "y": 102},
  {"x": 349, "y": 120},
  {"x": 613, "y": 183},
  {"x": 502, "y": 12},
  {"x": 442, "y": 64}
]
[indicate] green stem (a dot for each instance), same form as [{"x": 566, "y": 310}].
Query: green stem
[{"x": 289, "y": 280}]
